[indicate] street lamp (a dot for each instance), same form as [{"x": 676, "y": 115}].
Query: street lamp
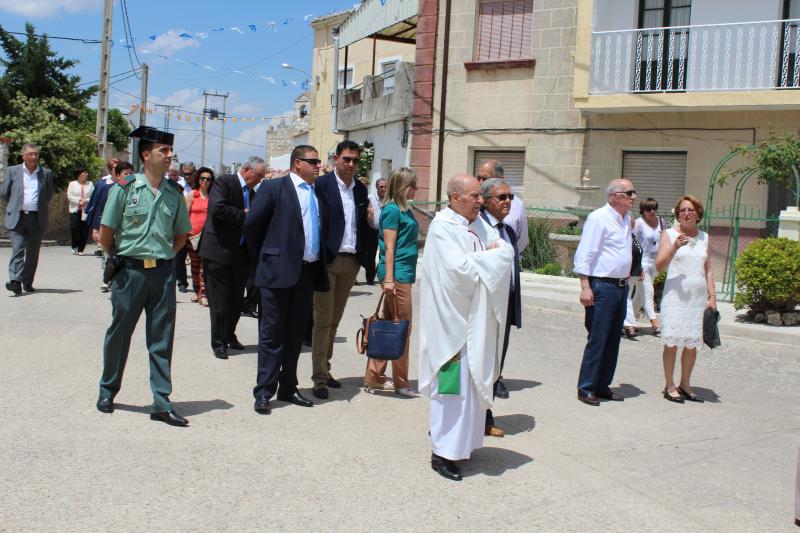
[{"x": 291, "y": 67}]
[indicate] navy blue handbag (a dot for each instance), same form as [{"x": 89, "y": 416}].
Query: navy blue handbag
[{"x": 382, "y": 339}]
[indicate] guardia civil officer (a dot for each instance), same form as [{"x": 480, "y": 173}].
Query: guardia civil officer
[{"x": 146, "y": 221}]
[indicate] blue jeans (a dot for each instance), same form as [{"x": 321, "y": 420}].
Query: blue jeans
[{"x": 604, "y": 321}]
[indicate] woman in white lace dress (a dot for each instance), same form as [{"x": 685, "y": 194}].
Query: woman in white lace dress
[{"x": 688, "y": 290}]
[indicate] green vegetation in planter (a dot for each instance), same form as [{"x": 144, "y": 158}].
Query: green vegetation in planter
[
  {"x": 550, "y": 269},
  {"x": 568, "y": 230},
  {"x": 540, "y": 250},
  {"x": 768, "y": 276}
]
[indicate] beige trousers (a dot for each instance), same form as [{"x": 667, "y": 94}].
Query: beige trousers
[
  {"x": 328, "y": 310},
  {"x": 376, "y": 369}
]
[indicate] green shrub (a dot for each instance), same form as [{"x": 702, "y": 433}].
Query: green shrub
[
  {"x": 550, "y": 269},
  {"x": 768, "y": 276},
  {"x": 568, "y": 230},
  {"x": 540, "y": 250},
  {"x": 658, "y": 289}
]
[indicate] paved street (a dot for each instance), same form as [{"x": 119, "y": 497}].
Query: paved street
[{"x": 360, "y": 462}]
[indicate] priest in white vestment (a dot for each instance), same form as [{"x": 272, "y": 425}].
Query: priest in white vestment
[{"x": 464, "y": 299}]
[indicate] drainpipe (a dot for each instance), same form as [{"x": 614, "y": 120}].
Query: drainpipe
[
  {"x": 335, "y": 95},
  {"x": 443, "y": 99}
]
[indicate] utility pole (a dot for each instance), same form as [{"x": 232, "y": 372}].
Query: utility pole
[
  {"x": 168, "y": 108},
  {"x": 203, "y": 142},
  {"x": 213, "y": 114},
  {"x": 142, "y": 116},
  {"x": 101, "y": 129},
  {"x": 222, "y": 134}
]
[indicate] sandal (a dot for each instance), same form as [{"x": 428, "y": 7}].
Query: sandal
[
  {"x": 676, "y": 399},
  {"x": 690, "y": 397},
  {"x": 630, "y": 331},
  {"x": 655, "y": 331}
]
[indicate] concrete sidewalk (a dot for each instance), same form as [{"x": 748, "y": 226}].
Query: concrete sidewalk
[
  {"x": 563, "y": 294},
  {"x": 360, "y": 462}
]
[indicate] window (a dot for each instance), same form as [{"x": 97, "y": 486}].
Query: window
[
  {"x": 346, "y": 84},
  {"x": 388, "y": 67},
  {"x": 788, "y": 69},
  {"x": 504, "y": 30},
  {"x": 653, "y": 72},
  {"x": 513, "y": 167}
]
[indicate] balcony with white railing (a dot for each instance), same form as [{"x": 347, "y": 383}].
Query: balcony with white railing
[{"x": 713, "y": 58}]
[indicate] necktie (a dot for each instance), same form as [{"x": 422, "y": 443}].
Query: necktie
[
  {"x": 313, "y": 210},
  {"x": 246, "y": 194},
  {"x": 501, "y": 229}
]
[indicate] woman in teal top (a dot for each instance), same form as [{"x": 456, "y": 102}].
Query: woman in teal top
[{"x": 397, "y": 270}]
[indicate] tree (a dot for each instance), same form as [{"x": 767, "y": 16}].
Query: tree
[
  {"x": 63, "y": 147},
  {"x": 118, "y": 127},
  {"x": 35, "y": 70}
]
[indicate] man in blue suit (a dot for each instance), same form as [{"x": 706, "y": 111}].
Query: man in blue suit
[
  {"x": 27, "y": 189},
  {"x": 497, "y": 198},
  {"x": 284, "y": 233},
  {"x": 346, "y": 250}
]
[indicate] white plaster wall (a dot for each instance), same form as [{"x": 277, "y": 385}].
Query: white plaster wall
[{"x": 387, "y": 140}]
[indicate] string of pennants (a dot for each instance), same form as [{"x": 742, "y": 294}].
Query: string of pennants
[{"x": 193, "y": 116}]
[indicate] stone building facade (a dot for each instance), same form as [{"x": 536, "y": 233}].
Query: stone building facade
[{"x": 281, "y": 138}]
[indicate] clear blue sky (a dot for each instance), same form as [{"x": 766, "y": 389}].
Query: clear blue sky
[{"x": 256, "y": 54}]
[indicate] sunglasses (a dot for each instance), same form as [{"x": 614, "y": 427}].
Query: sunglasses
[
  {"x": 647, "y": 209},
  {"x": 629, "y": 194},
  {"x": 349, "y": 159},
  {"x": 206, "y": 178},
  {"x": 482, "y": 178},
  {"x": 313, "y": 162},
  {"x": 503, "y": 197}
]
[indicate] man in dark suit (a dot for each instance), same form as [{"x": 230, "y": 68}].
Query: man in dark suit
[
  {"x": 284, "y": 232},
  {"x": 497, "y": 198},
  {"x": 225, "y": 261},
  {"x": 27, "y": 189},
  {"x": 346, "y": 250}
]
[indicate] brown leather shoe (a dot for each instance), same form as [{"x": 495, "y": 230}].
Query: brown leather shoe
[
  {"x": 611, "y": 396},
  {"x": 589, "y": 399},
  {"x": 494, "y": 431}
]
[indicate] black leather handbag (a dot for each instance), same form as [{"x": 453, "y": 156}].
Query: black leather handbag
[{"x": 382, "y": 339}]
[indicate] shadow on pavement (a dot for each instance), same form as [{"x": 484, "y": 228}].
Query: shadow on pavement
[
  {"x": 493, "y": 462},
  {"x": 520, "y": 384},
  {"x": 49, "y": 291},
  {"x": 707, "y": 394},
  {"x": 514, "y": 424},
  {"x": 182, "y": 408},
  {"x": 360, "y": 293},
  {"x": 626, "y": 390}
]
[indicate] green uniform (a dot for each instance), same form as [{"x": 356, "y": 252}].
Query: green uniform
[{"x": 145, "y": 225}]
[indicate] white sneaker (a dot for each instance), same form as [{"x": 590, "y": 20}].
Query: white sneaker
[
  {"x": 372, "y": 388},
  {"x": 408, "y": 392}
]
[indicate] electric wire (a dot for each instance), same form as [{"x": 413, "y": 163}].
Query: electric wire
[{"x": 45, "y": 36}]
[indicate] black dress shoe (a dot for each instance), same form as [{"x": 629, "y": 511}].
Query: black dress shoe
[
  {"x": 221, "y": 353},
  {"x": 105, "y": 405},
  {"x": 610, "y": 396},
  {"x": 690, "y": 397},
  {"x": 28, "y": 288},
  {"x": 500, "y": 390},
  {"x": 170, "y": 417},
  {"x": 589, "y": 399},
  {"x": 236, "y": 345},
  {"x": 183, "y": 288},
  {"x": 262, "y": 406},
  {"x": 676, "y": 399},
  {"x": 333, "y": 383},
  {"x": 14, "y": 286},
  {"x": 445, "y": 468},
  {"x": 251, "y": 314},
  {"x": 297, "y": 399},
  {"x": 320, "y": 392}
]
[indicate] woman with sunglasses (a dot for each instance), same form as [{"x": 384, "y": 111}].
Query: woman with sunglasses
[
  {"x": 688, "y": 290},
  {"x": 197, "y": 202},
  {"x": 647, "y": 231}
]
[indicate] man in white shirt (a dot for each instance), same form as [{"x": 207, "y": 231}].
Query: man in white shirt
[
  {"x": 27, "y": 189},
  {"x": 375, "y": 204},
  {"x": 346, "y": 251},
  {"x": 517, "y": 218},
  {"x": 603, "y": 263}
]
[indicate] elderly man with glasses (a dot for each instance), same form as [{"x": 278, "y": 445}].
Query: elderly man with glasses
[{"x": 603, "y": 263}]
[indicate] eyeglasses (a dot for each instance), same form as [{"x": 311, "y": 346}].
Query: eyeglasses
[
  {"x": 482, "y": 178},
  {"x": 629, "y": 194},
  {"x": 312, "y": 162},
  {"x": 686, "y": 210},
  {"x": 206, "y": 178},
  {"x": 503, "y": 197},
  {"x": 349, "y": 159}
]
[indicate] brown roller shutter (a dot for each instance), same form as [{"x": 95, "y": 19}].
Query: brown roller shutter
[
  {"x": 513, "y": 165},
  {"x": 659, "y": 175}
]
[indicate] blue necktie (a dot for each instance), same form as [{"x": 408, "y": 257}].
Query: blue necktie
[
  {"x": 246, "y": 193},
  {"x": 313, "y": 210}
]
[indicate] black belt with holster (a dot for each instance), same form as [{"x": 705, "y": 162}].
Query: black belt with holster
[{"x": 115, "y": 263}]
